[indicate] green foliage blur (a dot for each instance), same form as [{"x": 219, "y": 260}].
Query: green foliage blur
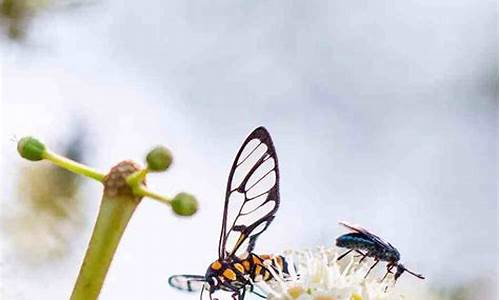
[
  {"x": 48, "y": 212},
  {"x": 16, "y": 16}
]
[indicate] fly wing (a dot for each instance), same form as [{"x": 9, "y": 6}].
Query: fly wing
[
  {"x": 252, "y": 194},
  {"x": 369, "y": 235},
  {"x": 188, "y": 283}
]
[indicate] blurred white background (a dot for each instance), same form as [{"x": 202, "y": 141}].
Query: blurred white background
[{"x": 383, "y": 113}]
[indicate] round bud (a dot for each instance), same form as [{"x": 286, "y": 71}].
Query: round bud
[
  {"x": 159, "y": 159},
  {"x": 184, "y": 204},
  {"x": 31, "y": 148}
]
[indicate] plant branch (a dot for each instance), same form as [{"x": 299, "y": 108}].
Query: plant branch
[
  {"x": 73, "y": 166},
  {"x": 142, "y": 191}
]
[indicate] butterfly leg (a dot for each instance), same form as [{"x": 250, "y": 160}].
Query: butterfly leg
[
  {"x": 343, "y": 255},
  {"x": 234, "y": 289},
  {"x": 371, "y": 268},
  {"x": 252, "y": 290},
  {"x": 210, "y": 294},
  {"x": 237, "y": 295},
  {"x": 259, "y": 295},
  {"x": 201, "y": 293}
]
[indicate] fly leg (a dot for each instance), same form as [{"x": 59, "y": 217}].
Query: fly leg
[
  {"x": 343, "y": 255},
  {"x": 389, "y": 270},
  {"x": 371, "y": 268},
  {"x": 364, "y": 255},
  {"x": 359, "y": 253}
]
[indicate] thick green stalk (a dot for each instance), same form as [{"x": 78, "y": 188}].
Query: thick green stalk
[{"x": 117, "y": 206}]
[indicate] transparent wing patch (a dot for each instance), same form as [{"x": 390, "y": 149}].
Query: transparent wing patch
[
  {"x": 188, "y": 283},
  {"x": 252, "y": 194}
]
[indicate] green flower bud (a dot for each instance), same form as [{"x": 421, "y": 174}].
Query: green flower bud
[
  {"x": 31, "y": 148},
  {"x": 184, "y": 204},
  {"x": 159, "y": 159}
]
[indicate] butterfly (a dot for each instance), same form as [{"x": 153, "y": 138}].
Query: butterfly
[{"x": 251, "y": 202}]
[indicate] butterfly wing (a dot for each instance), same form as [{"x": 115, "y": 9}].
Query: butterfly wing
[
  {"x": 252, "y": 194},
  {"x": 189, "y": 283},
  {"x": 371, "y": 236}
]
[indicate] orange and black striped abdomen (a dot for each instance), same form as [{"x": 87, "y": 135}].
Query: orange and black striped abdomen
[
  {"x": 235, "y": 272},
  {"x": 279, "y": 263},
  {"x": 262, "y": 263}
]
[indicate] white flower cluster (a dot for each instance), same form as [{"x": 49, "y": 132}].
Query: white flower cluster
[{"x": 316, "y": 275}]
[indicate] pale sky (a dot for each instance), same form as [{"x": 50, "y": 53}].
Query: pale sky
[{"x": 383, "y": 114}]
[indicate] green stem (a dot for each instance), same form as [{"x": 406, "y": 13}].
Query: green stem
[
  {"x": 137, "y": 177},
  {"x": 114, "y": 215},
  {"x": 72, "y": 165},
  {"x": 141, "y": 191}
]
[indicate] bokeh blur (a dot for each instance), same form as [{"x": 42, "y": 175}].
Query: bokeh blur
[{"x": 383, "y": 113}]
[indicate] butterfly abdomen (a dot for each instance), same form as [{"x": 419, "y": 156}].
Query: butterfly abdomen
[
  {"x": 262, "y": 263},
  {"x": 279, "y": 263}
]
